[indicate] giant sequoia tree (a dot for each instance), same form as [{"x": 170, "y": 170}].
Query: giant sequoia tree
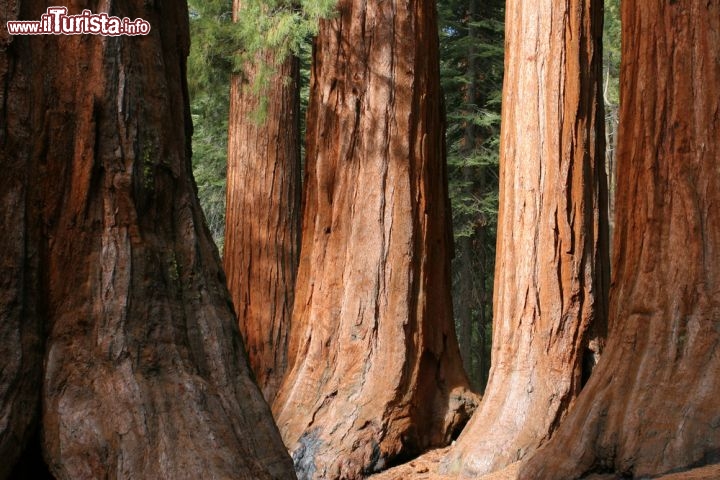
[
  {"x": 652, "y": 405},
  {"x": 262, "y": 216},
  {"x": 551, "y": 268},
  {"x": 108, "y": 256},
  {"x": 375, "y": 371}
]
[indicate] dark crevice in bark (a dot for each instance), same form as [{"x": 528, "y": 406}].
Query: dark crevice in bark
[{"x": 31, "y": 464}]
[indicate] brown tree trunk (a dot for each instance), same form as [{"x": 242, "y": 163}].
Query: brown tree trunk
[
  {"x": 465, "y": 302},
  {"x": 375, "y": 367},
  {"x": 480, "y": 347},
  {"x": 552, "y": 268},
  {"x": 145, "y": 375},
  {"x": 652, "y": 405},
  {"x": 21, "y": 308},
  {"x": 262, "y": 218}
]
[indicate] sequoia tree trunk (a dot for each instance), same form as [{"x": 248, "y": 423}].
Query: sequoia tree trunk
[
  {"x": 552, "y": 267},
  {"x": 652, "y": 405},
  {"x": 145, "y": 373},
  {"x": 21, "y": 307},
  {"x": 375, "y": 367},
  {"x": 263, "y": 212}
]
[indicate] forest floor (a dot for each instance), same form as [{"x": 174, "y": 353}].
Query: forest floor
[{"x": 425, "y": 467}]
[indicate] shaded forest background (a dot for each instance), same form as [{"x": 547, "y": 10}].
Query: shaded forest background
[{"x": 471, "y": 68}]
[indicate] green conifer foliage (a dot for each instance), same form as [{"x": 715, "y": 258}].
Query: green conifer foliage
[
  {"x": 471, "y": 38},
  {"x": 219, "y": 48}
]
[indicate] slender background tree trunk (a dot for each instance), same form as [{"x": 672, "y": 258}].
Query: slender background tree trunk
[
  {"x": 652, "y": 406},
  {"x": 145, "y": 375},
  {"x": 263, "y": 212},
  {"x": 466, "y": 302},
  {"x": 376, "y": 372},
  {"x": 551, "y": 275}
]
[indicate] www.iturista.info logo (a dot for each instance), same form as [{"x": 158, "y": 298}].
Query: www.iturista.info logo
[{"x": 56, "y": 21}]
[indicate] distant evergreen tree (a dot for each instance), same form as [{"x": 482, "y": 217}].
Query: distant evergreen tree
[
  {"x": 611, "y": 92},
  {"x": 209, "y": 68},
  {"x": 471, "y": 38}
]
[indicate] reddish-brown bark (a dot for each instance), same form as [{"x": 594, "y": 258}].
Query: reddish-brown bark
[
  {"x": 651, "y": 407},
  {"x": 145, "y": 375},
  {"x": 263, "y": 212},
  {"x": 375, "y": 369},
  {"x": 551, "y": 268}
]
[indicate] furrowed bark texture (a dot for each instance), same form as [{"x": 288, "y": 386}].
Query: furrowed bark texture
[
  {"x": 375, "y": 368},
  {"x": 145, "y": 373},
  {"x": 21, "y": 327},
  {"x": 651, "y": 406},
  {"x": 552, "y": 267},
  {"x": 263, "y": 213}
]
